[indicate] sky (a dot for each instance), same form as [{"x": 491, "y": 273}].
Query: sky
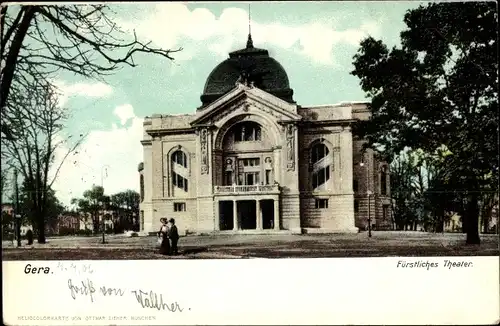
[{"x": 314, "y": 42}]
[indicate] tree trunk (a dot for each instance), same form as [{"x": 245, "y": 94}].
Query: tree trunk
[
  {"x": 472, "y": 219},
  {"x": 439, "y": 224},
  {"x": 11, "y": 58},
  {"x": 95, "y": 220}
]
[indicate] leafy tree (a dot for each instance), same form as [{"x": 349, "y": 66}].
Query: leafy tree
[
  {"x": 38, "y": 41},
  {"x": 401, "y": 190},
  {"x": 126, "y": 206},
  {"x": 93, "y": 202},
  {"x": 439, "y": 89},
  {"x": 7, "y": 224},
  {"x": 53, "y": 208}
]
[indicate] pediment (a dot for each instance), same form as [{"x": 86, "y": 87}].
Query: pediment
[{"x": 247, "y": 98}]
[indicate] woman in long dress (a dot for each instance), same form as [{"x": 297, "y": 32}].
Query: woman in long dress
[{"x": 163, "y": 234}]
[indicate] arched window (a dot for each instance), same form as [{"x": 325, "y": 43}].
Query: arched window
[
  {"x": 247, "y": 131},
  {"x": 320, "y": 165},
  {"x": 179, "y": 170},
  {"x": 180, "y": 158},
  {"x": 383, "y": 181}
]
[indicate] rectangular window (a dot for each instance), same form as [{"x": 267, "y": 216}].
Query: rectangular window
[
  {"x": 385, "y": 210},
  {"x": 251, "y": 161},
  {"x": 179, "y": 207},
  {"x": 355, "y": 185},
  {"x": 249, "y": 179},
  {"x": 356, "y": 206},
  {"x": 252, "y": 178},
  {"x": 321, "y": 203}
]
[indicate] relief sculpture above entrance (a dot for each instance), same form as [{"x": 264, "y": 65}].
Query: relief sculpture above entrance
[{"x": 204, "y": 150}]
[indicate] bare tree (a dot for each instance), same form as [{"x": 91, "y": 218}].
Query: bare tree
[
  {"x": 45, "y": 39},
  {"x": 39, "y": 122}
]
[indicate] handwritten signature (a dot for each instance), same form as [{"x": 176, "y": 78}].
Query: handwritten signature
[
  {"x": 151, "y": 299},
  {"x": 87, "y": 289}
]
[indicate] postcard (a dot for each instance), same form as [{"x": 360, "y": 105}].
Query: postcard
[{"x": 250, "y": 163}]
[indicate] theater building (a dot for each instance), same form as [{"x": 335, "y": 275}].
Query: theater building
[{"x": 251, "y": 159}]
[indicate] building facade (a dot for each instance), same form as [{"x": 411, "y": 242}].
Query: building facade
[{"x": 250, "y": 159}]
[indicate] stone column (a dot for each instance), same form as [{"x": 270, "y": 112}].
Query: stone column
[
  {"x": 276, "y": 215},
  {"x": 235, "y": 216},
  {"x": 258, "y": 215}
]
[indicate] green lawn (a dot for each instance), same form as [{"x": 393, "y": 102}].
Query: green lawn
[{"x": 382, "y": 244}]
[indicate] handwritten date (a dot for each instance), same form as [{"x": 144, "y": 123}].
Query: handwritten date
[{"x": 76, "y": 268}]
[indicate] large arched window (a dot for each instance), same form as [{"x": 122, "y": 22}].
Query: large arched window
[
  {"x": 320, "y": 165},
  {"x": 247, "y": 131},
  {"x": 180, "y": 170}
]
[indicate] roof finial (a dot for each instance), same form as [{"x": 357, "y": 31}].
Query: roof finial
[{"x": 249, "y": 41}]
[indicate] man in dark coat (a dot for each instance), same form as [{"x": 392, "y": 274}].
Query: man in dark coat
[
  {"x": 173, "y": 236},
  {"x": 29, "y": 236}
]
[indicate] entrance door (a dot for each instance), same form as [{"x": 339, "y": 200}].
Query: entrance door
[
  {"x": 226, "y": 221},
  {"x": 247, "y": 214},
  {"x": 267, "y": 207}
]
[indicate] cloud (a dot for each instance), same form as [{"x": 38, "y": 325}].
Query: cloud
[
  {"x": 112, "y": 154},
  {"x": 124, "y": 112},
  {"x": 83, "y": 89},
  {"x": 228, "y": 31}
]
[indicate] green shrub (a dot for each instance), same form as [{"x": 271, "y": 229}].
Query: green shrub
[
  {"x": 85, "y": 232},
  {"x": 63, "y": 231}
]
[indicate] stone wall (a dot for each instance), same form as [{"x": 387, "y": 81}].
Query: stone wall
[
  {"x": 186, "y": 221},
  {"x": 339, "y": 215}
]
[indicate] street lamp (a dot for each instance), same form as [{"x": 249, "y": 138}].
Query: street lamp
[
  {"x": 368, "y": 194},
  {"x": 104, "y": 168}
]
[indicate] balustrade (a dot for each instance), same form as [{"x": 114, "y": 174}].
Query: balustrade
[{"x": 246, "y": 189}]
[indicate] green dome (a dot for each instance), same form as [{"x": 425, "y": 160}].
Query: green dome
[{"x": 265, "y": 72}]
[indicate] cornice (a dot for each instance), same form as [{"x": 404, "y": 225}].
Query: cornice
[
  {"x": 161, "y": 132},
  {"x": 328, "y": 122}
]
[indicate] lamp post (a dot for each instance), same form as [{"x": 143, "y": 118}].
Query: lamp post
[
  {"x": 368, "y": 194},
  {"x": 103, "y": 169}
]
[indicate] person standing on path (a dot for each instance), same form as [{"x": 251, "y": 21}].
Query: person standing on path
[
  {"x": 163, "y": 234},
  {"x": 173, "y": 235}
]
